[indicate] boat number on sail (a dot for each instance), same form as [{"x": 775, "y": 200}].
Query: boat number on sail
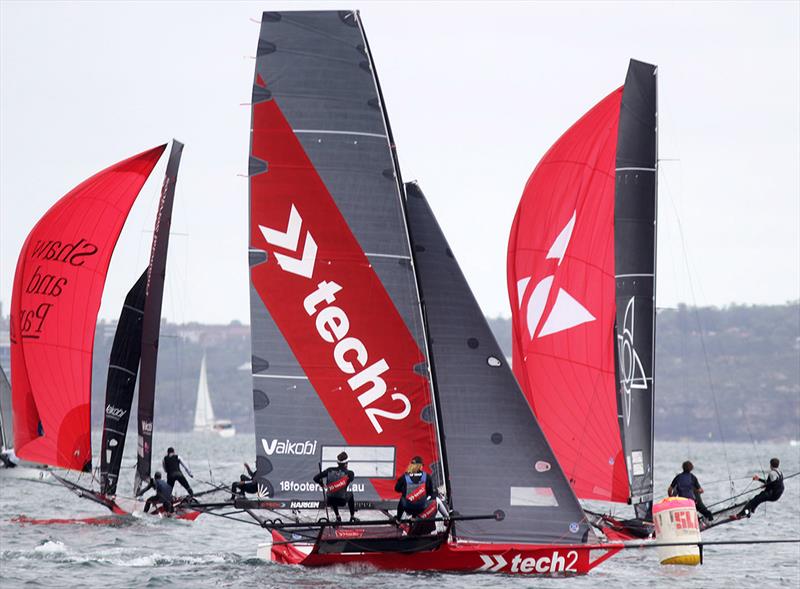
[
  {"x": 556, "y": 563},
  {"x": 333, "y": 324}
]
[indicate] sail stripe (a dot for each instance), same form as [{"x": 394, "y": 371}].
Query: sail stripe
[{"x": 332, "y": 132}]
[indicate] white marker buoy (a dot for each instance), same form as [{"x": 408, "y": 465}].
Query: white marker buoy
[{"x": 676, "y": 521}]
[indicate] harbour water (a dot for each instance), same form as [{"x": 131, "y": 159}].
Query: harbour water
[{"x": 213, "y": 552}]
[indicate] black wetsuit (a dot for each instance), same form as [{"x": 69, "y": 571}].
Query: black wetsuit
[
  {"x": 341, "y": 497},
  {"x": 401, "y": 486},
  {"x": 248, "y": 485},
  {"x": 773, "y": 489},
  {"x": 172, "y": 466},
  {"x": 163, "y": 495},
  {"x": 686, "y": 485}
]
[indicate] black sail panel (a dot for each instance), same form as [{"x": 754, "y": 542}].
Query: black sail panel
[
  {"x": 151, "y": 325},
  {"x": 497, "y": 456},
  {"x": 123, "y": 368},
  {"x": 6, "y": 419},
  {"x": 634, "y": 236}
]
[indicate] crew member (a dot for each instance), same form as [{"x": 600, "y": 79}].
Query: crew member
[
  {"x": 172, "y": 464},
  {"x": 686, "y": 485},
  {"x": 773, "y": 489},
  {"x": 416, "y": 490},
  {"x": 246, "y": 484},
  {"x": 163, "y": 494},
  {"x": 8, "y": 458},
  {"x": 337, "y": 478}
]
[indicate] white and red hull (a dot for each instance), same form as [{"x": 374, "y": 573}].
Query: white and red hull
[{"x": 515, "y": 559}]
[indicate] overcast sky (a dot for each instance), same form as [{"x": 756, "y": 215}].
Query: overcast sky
[{"x": 476, "y": 93}]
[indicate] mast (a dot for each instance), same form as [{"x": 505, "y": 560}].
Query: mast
[
  {"x": 402, "y": 195},
  {"x": 151, "y": 326},
  {"x": 123, "y": 368}
]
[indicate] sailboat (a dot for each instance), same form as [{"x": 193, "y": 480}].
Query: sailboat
[
  {"x": 581, "y": 281},
  {"x": 367, "y": 339},
  {"x": 58, "y": 285},
  {"x": 204, "y": 420}
]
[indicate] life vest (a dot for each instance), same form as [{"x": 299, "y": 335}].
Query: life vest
[
  {"x": 416, "y": 494},
  {"x": 774, "y": 489},
  {"x": 684, "y": 486},
  {"x": 172, "y": 464},
  {"x": 336, "y": 487}
]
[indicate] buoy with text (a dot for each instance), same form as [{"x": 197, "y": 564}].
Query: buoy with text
[{"x": 676, "y": 521}]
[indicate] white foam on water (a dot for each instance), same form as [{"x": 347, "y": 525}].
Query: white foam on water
[{"x": 51, "y": 547}]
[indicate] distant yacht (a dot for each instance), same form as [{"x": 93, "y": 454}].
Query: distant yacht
[{"x": 204, "y": 413}]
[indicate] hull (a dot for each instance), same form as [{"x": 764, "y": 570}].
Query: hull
[{"x": 526, "y": 560}]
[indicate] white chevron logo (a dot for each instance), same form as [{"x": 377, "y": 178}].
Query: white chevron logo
[
  {"x": 489, "y": 563},
  {"x": 566, "y": 312},
  {"x": 289, "y": 240}
]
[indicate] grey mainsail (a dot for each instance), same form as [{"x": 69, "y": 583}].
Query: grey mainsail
[{"x": 6, "y": 417}]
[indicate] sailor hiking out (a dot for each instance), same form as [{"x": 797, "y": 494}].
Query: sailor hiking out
[
  {"x": 686, "y": 485},
  {"x": 337, "y": 478},
  {"x": 246, "y": 484},
  {"x": 773, "y": 489},
  {"x": 172, "y": 464},
  {"x": 417, "y": 497},
  {"x": 163, "y": 494}
]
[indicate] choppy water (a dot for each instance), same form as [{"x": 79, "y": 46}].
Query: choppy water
[{"x": 213, "y": 552}]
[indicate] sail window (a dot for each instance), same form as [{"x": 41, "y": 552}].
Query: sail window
[
  {"x": 375, "y": 462},
  {"x": 494, "y": 362},
  {"x": 533, "y": 497}
]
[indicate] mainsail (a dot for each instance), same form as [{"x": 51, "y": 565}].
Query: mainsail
[
  {"x": 581, "y": 261},
  {"x": 6, "y": 418},
  {"x": 497, "y": 456},
  {"x": 337, "y": 334},
  {"x": 57, "y": 289},
  {"x": 123, "y": 368},
  {"x": 203, "y": 412},
  {"x": 151, "y": 320}
]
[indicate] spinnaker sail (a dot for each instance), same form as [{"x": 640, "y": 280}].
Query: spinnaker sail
[
  {"x": 58, "y": 284},
  {"x": 581, "y": 260},
  {"x": 151, "y": 320}
]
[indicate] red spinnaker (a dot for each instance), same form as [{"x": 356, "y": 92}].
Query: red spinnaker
[
  {"x": 562, "y": 291},
  {"x": 58, "y": 285}
]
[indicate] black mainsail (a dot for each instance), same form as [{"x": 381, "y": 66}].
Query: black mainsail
[
  {"x": 151, "y": 322},
  {"x": 123, "y": 368}
]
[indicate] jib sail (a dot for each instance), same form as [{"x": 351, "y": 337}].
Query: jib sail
[
  {"x": 580, "y": 281},
  {"x": 338, "y": 346},
  {"x": 151, "y": 320},
  {"x": 497, "y": 457},
  {"x": 123, "y": 368},
  {"x": 58, "y": 284}
]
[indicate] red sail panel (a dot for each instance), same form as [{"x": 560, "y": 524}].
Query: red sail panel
[
  {"x": 562, "y": 292},
  {"x": 58, "y": 285},
  {"x": 330, "y": 305}
]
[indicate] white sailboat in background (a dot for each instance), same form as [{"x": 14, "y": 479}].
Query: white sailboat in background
[{"x": 204, "y": 413}]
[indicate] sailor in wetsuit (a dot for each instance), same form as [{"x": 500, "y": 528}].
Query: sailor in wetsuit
[
  {"x": 686, "y": 485},
  {"x": 416, "y": 489},
  {"x": 337, "y": 478},
  {"x": 172, "y": 464},
  {"x": 773, "y": 489},
  {"x": 246, "y": 484},
  {"x": 163, "y": 494}
]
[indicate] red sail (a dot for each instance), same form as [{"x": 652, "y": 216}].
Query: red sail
[
  {"x": 562, "y": 292},
  {"x": 58, "y": 284}
]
